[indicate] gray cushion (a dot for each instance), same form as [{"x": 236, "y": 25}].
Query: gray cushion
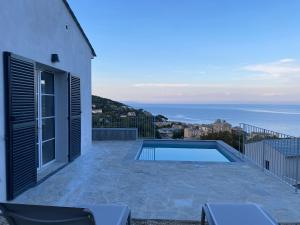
[
  {"x": 22, "y": 214},
  {"x": 110, "y": 214},
  {"x": 237, "y": 214}
]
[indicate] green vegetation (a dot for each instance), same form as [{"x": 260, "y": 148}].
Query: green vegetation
[
  {"x": 233, "y": 138},
  {"x": 118, "y": 115},
  {"x": 178, "y": 134},
  {"x": 161, "y": 118},
  {"x": 113, "y": 109}
]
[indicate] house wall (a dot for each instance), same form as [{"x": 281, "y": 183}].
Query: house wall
[
  {"x": 259, "y": 152},
  {"x": 286, "y": 167},
  {"x": 293, "y": 169},
  {"x": 36, "y": 29}
]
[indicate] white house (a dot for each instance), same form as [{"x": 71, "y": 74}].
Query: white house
[
  {"x": 192, "y": 132},
  {"x": 280, "y": 156},
  {"x": 45, "y": 80}
]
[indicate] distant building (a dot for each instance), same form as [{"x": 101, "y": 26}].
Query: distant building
[
  {"x": 192, "y": 132},
  {"x": 206, "y": 129},
  {"x": 280, "y": 156},
  {"x": 197, "y": 131},
  {"x": 167, "y": 133},
  {"x": 95, "y": 111},
  {"x": 131, "y": 114},
  {"x": 221, "y": 126}
]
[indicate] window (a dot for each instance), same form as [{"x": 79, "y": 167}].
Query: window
[
  {"x": 267, "y": 165},
  {"x": 46, "y": 118}
]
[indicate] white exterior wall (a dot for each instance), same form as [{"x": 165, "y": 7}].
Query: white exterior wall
[
  {"x": 280, "y": 165},
  {"x": 293, "y": 169},
  {"x": 35, "y": 29}
]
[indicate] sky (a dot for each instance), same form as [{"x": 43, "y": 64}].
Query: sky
[{"x": 194, "y": 51}]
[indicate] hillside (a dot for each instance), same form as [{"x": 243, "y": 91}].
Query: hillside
[
  {"x": 112, "y": 114},
  {"x": 107, "y": 108},
  {"x": 108, "y": 105}
]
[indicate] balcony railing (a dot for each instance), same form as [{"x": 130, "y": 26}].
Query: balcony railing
[
  {"x": 275, "y": 152},
  {"x": 144, "y": 124}
]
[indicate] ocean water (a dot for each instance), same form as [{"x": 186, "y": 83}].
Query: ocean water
[{"x": 281, "y": 118}]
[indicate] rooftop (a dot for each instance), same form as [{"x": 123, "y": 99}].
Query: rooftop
[
  {"x": 79, "y": 27},
  {"x": 108, "y": 173},
  {"x": 288, "y": 147}
]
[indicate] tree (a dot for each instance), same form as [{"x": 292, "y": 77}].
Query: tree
[
  {"x": 234, "y": 138},
  {"x": 160, "y": 118},
  {"x": 178, "y": 134}
]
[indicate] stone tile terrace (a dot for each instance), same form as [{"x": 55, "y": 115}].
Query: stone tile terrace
[{"x": 108, "y": 173}]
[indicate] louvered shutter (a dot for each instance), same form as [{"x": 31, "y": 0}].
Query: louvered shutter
[
  {"x": 74, "y": 118},
  {"x": 19, "y": 74}
]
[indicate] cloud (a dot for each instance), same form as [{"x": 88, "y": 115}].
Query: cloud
[
  {"x": 244, "y": 92},
  {"x": 280, "y": 68},
  {"x": 272, "y": 94},
  {"x": 287, "y": 60},
  {"x": 162, "y": 85},
  {"x": 190, "y": 72},
  {"x": 177, "y": 85}
]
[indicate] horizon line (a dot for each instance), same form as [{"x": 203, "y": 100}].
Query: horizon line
[{"x": 210, "y": 103}]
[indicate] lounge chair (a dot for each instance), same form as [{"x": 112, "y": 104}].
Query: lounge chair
[
  {"x": 235, "y": 214},
  {"x": 20, "y": 214}
]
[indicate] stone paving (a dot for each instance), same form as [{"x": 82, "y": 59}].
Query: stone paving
[
  {"x": 2, "y": 221},
  {"x": 108, "y": 173}
]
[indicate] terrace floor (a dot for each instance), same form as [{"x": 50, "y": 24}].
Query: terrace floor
[{"x": 108, "y": 173}]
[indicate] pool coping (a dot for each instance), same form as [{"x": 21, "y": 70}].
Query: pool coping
[{"x": 229, "y": 152}]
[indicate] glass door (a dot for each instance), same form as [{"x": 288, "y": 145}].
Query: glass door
[{"x": 45, "y": 118}]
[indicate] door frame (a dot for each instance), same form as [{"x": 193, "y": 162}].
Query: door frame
[{"x": 39, "y": 117}]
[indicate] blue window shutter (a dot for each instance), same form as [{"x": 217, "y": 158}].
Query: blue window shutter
[
  {"x": 19, "y": 76},
  {"x": 74, "y": 118}
]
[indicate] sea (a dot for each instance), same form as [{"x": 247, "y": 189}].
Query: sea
[{"x": 280, "y": 118}]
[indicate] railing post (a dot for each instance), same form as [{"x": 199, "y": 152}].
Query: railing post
[
  {"x": 244, "y": 133},
  {"x": 154, "y": 127},
  {"x": 240, "y": 142},
  {"x": 264, "y": 149},
  {"x": 297, "y": 163},
  {"x": 240, "y": 133}
]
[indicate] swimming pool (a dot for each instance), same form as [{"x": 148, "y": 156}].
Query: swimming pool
[{"x": 189, "y": 151}]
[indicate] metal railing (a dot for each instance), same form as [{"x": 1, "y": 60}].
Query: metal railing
[
  {"x": 144, "y": 124},
  {"x": 274, "y": 152}
]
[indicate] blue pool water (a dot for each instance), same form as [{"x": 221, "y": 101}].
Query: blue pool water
[
  {"x": 185, "y": 150},
  {"x": 182, "y": 154}
]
